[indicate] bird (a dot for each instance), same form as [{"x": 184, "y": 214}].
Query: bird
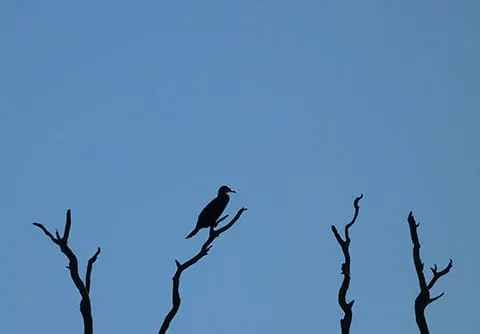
[{"x": 209, "y": 215}]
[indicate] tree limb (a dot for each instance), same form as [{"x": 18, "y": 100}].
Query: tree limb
[
  {"x": 423, "y": 299},
  {"x": 90, "y": 263},
  {"x": 342, "y": 293},
  {"x": 181, "y": 267},
  {"x": 83, "y": 289}
]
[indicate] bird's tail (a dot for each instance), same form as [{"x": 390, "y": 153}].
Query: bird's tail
[{"x": 195, "y": 231}]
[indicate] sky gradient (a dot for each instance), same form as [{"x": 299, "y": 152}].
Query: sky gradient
[{"x": 132, "y": 114}]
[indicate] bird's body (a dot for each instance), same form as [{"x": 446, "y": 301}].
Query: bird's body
[{"x": 212, "y": 212}]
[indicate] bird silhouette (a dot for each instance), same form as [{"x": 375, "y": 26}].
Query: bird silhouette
[{"x": 210, "y": 214}]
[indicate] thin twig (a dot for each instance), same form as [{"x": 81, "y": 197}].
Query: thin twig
[
  {"x": 83, "y": 289},
  {"x": 181, "y": 267},
  {"x": 423, "y": 299},
  {"x": 342, "y": 293}
]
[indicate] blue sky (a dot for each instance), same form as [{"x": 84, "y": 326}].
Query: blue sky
[{"x": 133, "y": 114}]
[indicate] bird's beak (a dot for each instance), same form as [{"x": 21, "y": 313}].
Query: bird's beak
[{"x": 232, "y": 191}]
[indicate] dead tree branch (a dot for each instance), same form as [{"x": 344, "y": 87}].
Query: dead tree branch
[
  {"x": 181, "y": 267},
  {"x": 83, "y": 289},
  {"x": 342, "y": 293},
  {"x": 423, "y": 299}
]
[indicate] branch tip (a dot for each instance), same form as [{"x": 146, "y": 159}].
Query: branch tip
[
  {"x": 357, "y": 200},
  {"x": 68, "y": 224},
  {"x": 95, "y": 255}
]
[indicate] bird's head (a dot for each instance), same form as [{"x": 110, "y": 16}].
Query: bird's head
[{"x": 224, "y": 190}]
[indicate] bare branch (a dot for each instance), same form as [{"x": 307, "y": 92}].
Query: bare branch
[
  {"x": 435, "y": 298},
  {"x": 47, "y": 233},
  {"x": 90, "y": 263},
  {"x": 357, "y": 208},
  {"x": 83, "y": 289},
  {"x": 342, "y": 293},
  {"x": 337, "y": 235},
  {"x": 416, "y": 251},
  {"x": 230, "y": 224},
  {"x": 181, "y": 267},
  {"x": 423, "y": 299},
  {"x": 220, "y": 220},
  {"x": 68, "y": 224},
  {"x": 438, "y": 274}
]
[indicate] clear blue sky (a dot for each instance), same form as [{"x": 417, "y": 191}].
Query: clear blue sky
[{"x": 133, "y": 113}]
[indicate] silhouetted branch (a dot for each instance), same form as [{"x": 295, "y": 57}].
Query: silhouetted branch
[
  {"x": 90, "y": 263},
  {"x": 207, "y": 245},
  {"x": 83, "y": 289},
  {"x": 423, "y": 299},
  {"x": 342, "y": 293}
]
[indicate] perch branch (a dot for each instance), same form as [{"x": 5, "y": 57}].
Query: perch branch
[
  {"x": 423, "y": 299},
  {"x": 342, "y": 293},
  {"x": 181, "y": 267},
  {"x": 83, "y": 289}
]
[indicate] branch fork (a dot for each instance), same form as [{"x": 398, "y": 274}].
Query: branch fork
[{"x": 83, "y": 288}]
